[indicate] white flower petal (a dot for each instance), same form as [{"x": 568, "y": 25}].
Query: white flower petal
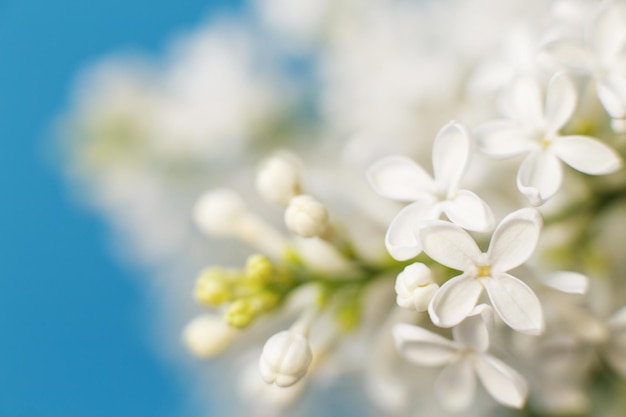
[
  {"x": 456, "y": 385},
  {"x": 451, "y": 152},
  {"x": 502, "y": 382},
  {"x": 400, "y": 178},
  {"x": 572, "y": 54},
  {"x": 567, "y": 281},
  {"x": 423, "y": 347},
  {"x": 467, "y": 210},
  {"x": 402, "y": 239},
  {"x": 472, "y": 332},
  {"x": 515, "y": 303},
  {"x": 608, "y": 34},
  {"x": 539, "y": 177},
  {"x": 485, "y": 311},
  {"x": 526, "y": 102},
  {"x": 454, "y": 300},
  {"x": 617, "y": 83},
  {"x": 612, "y": 95},
  {"x": 449, "y": 245},
  {"x": 560, "y": 102},
  {"x": 514, "y": 240},
  {"x": 502, "y": 139},
  {"x": 586, "y": 154}
]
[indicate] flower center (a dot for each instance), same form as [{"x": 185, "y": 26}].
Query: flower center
[
  {"x": 545, "y": 142},
  {"x": 483, "y": 271}
]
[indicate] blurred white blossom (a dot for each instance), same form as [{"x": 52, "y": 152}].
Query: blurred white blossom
[{"x": 251, "y": 167}]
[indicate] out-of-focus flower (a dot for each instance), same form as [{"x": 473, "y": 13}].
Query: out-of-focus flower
[
  {"x": 599, "y": 52},
  {"x": 534, "y": 128},
  {"x": 464, "y": 357}
]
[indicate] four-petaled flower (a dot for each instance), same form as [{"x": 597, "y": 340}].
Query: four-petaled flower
[
  {"x": 464, "y": 357},
  {"x": 512, "y": 243},
  {"x": 400, "y": 178},
  {"x": 533, "y": 128}
]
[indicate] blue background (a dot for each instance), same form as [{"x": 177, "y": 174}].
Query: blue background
[{"x": 72, "y": 320}]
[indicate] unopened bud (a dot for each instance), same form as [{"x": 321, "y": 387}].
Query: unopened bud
[
  {"x": 208, "y": 335},
  {"x": 285, "y": 359},
  {"x": 278, "y": 179},
  {"x": 212, "y": 288},
  {"x": 242, "y": 312},
  {"x": 219, "y": 211},
  {"x": 414, "y": 287},
  {"x": 306, "y": 217},
  {"x": 259, "y": 269}
]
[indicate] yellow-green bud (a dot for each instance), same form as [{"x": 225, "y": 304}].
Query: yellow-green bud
[
  {"x": 213, "y": 288},
  {"x": 240, "y": 313},
  {"x": 259, "y": 269},
  {"x": 244, "y": 310}
]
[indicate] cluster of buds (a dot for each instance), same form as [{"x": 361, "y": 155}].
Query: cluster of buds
[{"x": 312, "y": 257}]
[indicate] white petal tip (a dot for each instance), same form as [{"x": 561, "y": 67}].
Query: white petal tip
[
  {"x": 533, "y": 196},
  {"x": 567, "y": 282},
  {"x": 403, "y": 253},
  {"x": 533, "y": 331}
]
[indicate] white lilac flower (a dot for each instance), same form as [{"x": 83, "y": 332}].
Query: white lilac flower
[
  {"x": 415, "y": 287},
  {"x": 600, "y": 54},
  {"x": 512, "y": 243},
  {"x": 558, "y": 366},
  {"x": 465, "y": 358},
  {"x": 533, "y": 128},
  {"x": 400, "y": 178}
]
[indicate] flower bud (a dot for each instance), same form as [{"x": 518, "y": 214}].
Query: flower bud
[
  {"x": 218, "y": 211},
  {"x": 242, "y": 312},
  {"x": 414, "y": 287},
  {"x": 259, "y": 269},
  {"x": 207, "y": 335},
  {"x": 278, "y": 180},
  {"x": 212, "y": 288},
  {"x": 285, "y": 359},
  {"x": 306, "y": 217}
]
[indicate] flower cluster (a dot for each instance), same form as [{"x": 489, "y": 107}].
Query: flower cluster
[{"x": 506, "y": 265}]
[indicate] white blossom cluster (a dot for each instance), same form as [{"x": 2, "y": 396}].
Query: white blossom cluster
[{"x": 415, "y": 266}]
